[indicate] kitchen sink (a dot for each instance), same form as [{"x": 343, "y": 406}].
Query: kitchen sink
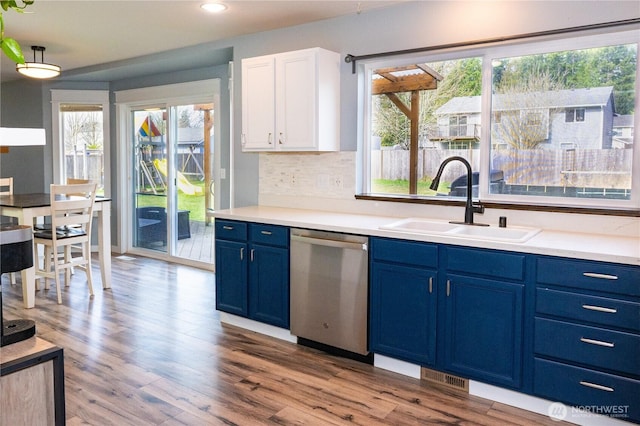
[
  {"x": 513, "y": 234},
  {"x": 423, "y": 226}
]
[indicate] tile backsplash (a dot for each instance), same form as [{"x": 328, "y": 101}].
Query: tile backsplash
[{"x": 325, "y": 175}]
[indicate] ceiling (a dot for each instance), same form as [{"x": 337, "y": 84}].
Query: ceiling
[{"x": 82, "y": 34}]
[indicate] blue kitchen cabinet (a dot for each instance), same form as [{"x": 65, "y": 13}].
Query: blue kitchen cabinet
[
  {"x": 403, "y": 300},
  {"x": 252, "y": 271},
  {"x": 231, "y": 267},
  {"x": 587, "y": 335},
  {"x": 268, "y": 297},
  {"x": 482, "y": 315}
]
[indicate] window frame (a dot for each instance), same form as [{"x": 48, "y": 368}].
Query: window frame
[
  {"x": 488, "y": 54},
  {"x": 81, "y": 97}
]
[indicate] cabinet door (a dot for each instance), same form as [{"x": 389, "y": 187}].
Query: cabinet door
[
  {"x": 258, "y": 103},
  {"x": 483, "y": 329},
  {"x": 296, "y": 100},
  {"x": 231, "y": 277},
  {"x": 269, "y": 285},
  {"x": 403, "y": 312}
]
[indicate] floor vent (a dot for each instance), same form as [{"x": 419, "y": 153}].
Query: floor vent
[{"x": 444, "y": 379}]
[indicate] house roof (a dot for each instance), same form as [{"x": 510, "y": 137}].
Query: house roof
[{"x": 570, "y": 98}]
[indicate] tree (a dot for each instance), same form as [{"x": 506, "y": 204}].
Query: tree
[{"x": 521, "y": 115}]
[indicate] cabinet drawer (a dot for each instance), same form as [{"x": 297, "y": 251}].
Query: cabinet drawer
[
  {"x": 486, "y": 262},
  {"x": 592, "y": 346},
  {"x": 272, "y": 235},
  {"x": 231, "y": 230},
  {"x": 599, "y": 392},
  {"x": 594, "y": 309},
  {"x": 607, "y": 277},
  {"x": 405, "y": 252}
]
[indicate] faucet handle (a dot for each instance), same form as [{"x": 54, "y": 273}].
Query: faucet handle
[{"x": 478, "y": 207}]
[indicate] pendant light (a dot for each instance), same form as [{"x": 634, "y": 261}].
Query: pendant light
[{"x": 38, "y": 69}]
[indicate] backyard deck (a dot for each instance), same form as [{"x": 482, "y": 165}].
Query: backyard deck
[{"x": 200, "y": 246}]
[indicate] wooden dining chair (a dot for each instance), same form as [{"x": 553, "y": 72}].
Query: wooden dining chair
[
  {"x": 6, "y": 188},
  {"x": 70, "y": 226}
]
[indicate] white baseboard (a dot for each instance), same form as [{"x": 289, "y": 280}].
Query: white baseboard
[
  {"x": 555, "y": 410},
  {"x": 397, "y": 366},
  {"x": 258, "y": 327}
]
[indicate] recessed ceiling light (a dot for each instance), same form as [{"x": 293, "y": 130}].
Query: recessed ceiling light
[{"x": 214, "y": 7}]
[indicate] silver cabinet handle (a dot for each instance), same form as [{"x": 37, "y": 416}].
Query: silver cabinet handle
[
  {"x": 269, "y": 138},
  {"x": 251, "y": 254},
  {"x": 599, "y": 309},
  {"x": 448, "y": 287},
  {"x": 430, "y": 285},
  {"x": 227, "y": 228},
  {"x": 242, "y": 253},
  {"x": 280, "y": 139},
  {"x": 266, "y": 232},
  {"x": 597, "y": 342},
  {"x": 601, "y": 276},
  {"x": 596, "y": 386}
]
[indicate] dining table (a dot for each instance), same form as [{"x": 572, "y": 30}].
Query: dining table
[{"x": 28, "y": 207}]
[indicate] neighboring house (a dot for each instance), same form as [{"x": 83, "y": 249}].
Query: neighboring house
[
  {"x": 563, "y": 119},
  {"x": 623, "y": 131}
]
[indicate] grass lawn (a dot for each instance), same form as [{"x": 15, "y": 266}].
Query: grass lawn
[
  {"x": 401, "y": 186},
  {"x": 193, "y": 203}
]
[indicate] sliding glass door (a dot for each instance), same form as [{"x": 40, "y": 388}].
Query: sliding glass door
[{"x": 173, "y": 192}]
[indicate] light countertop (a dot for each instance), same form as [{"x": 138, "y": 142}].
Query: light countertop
[{"x": 599, "y": 247}]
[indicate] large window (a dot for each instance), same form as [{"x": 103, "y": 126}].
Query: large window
[
  {"x": 81, "y": 137},
  {"x": 547, "y": 123}
]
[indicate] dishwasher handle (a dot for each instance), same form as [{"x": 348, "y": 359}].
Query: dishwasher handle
[{"x": 329, "y": 243}]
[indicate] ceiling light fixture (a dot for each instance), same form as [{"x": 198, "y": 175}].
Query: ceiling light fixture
[
  {"x": 38, "y": 69},
  {"x": 214, "y": 7}
]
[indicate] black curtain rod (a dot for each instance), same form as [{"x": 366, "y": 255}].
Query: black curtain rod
[{"x": 351, "y": 59}]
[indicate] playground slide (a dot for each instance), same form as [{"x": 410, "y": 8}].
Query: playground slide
[{"x": 183, "y": 183}]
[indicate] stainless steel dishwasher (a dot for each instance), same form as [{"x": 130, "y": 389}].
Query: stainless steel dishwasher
[{"x": 329, "y": 298}]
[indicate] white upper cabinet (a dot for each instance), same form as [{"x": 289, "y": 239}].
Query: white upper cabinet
[{"x": 291, "y": 101}]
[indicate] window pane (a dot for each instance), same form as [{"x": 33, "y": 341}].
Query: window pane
[
  {"x": 560, "y": 129},
  {"x": 83, "y": 141},
  {"x": 444, "y": 98}
]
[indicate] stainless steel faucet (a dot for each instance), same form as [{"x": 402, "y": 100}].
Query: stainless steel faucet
[{"x": 470, "y": 208}]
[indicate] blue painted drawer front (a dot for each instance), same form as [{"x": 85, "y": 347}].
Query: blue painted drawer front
[
  {"x": 587, "y": 388},
  {"x": 597, "y": 310},
  {"x": 597, "y": 347},
  {"x": 231, "y": 230},
  {"x": 606, "y": 277},
  {"x": 405, "y": 252},
  {"x": 272, "y": 235},
  {"x": 488, "y": 263}
]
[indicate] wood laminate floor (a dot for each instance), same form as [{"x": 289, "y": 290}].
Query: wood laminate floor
[{"x": 151, "y": 351}]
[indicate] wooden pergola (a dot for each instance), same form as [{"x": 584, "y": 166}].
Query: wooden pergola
[{"x": 410, "y": 78}]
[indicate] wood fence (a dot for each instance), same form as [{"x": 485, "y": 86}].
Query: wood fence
[{"x": 595, "y": 168}]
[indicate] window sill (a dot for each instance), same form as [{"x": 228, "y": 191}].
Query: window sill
[{"x": 446, "y": 201}]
